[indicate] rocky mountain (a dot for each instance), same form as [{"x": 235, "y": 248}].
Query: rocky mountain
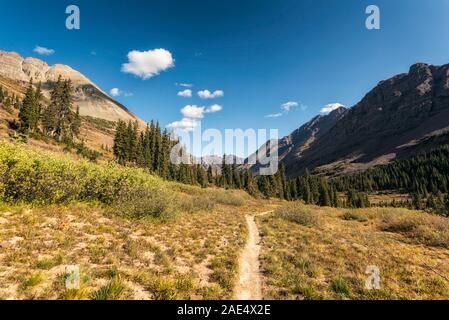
[
  {"x": 16, "y": 71},
  {"x": 293, "y": 146},
  {"x": 400, "y": 117},
  {"x": 216, "y": 162}
]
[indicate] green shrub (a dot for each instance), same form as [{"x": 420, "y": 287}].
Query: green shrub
[
  {"x": 48, "y": 263},
  {"x": 32, "y": 281},
  {"x": 114, "y": 290},
  {"x": 44, "y": 178},
  {"x": 340, "y": 286},
  {"x": 172, "y": 289}
]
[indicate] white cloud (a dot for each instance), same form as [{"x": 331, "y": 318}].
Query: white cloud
[
  {"x": 289, "y": 105},
  {"x": 214, "y": 108},
  {"x": 193, "y": 112},
  {"x": 116, "y": 92},
  {"x": 185, "y": 85},
  {"x": 274, "y": 115},
  {"x": 43, "y": 51},
  {"x": 286, "y": 108},
  {"x": 147, "y": 64},
  {"x": 206, "y": 94},
  {"x": 184, "y": 124},
  {"x": 186, "y": 93},
  {"x": 331, "y": 107}
]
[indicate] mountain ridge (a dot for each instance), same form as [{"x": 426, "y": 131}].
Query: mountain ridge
[
  {"x": 398, "y": 118},
  {"x": 89, "y": 97}
]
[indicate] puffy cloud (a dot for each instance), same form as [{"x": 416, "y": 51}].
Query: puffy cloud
[
  {"x": 206, "y": 94},
  {"x": 184, "y": 124},
  {"x": 289, "y": 105},
  {"x": 193, "y": 112},
  {"x": 331, "y": 107},
  {"x": 214, "y": 108},
  {"x": 43, "y": 51},
  {"x": 147, "y": 64},
  {"x": 116, "y": 92},
  {"x": 191, "y": 115},
  {"x": 185, "y": 93}
]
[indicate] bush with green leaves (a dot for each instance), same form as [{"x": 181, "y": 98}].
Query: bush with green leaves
[{"x": 43, "y": 178}]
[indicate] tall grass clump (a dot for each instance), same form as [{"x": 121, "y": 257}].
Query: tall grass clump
[
  {"x": 298, "y": 213},
  {"x": 42, "y": 178},
  {"x": 227, "y": 198},
  {"x": 418, "y": 226}
]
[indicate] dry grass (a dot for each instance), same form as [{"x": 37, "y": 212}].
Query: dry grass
[
  {"x": 193, "y": 256},
  {"x": 329, "y": 260}
]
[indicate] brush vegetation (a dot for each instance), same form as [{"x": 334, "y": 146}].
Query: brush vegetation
[
  {"x": 302, "y": 259},
  {"x": 132, "y": 234}
]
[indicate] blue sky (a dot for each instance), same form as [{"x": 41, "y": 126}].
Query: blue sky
[{"x": 260, "y": 53}]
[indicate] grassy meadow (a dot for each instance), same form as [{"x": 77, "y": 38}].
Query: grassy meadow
[
  {"x": 323, "y": 253},
  {"x": 135, "y": 236}
]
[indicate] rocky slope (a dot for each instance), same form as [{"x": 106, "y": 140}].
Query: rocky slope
[
  {"x": 16, "y": 71},
  {"x": 400, "y": 117},
  {"x": 293, "y": 146}
]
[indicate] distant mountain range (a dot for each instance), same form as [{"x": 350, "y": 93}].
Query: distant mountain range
[
  {"x": 16, "y": 72},
  {"x": 400, "y": 117}
]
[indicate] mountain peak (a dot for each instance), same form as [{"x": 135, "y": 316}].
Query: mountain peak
[{"x": 91, "y": 100}]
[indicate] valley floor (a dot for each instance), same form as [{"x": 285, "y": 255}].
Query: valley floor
[
  {"x": 326, "y": 253},
  {"x": 196, "y": 256},
  {"x": 193, "y": 257}
]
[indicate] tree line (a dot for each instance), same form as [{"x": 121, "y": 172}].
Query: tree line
[
  {"x": 425, "y": 177},
  {"x": 57, "y": 119},
  {"x": 150, "y": 148},
  {"x": 45, "y": 119}
]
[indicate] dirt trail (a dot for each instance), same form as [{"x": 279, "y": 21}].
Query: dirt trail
[{"x": 249, "y": 286}]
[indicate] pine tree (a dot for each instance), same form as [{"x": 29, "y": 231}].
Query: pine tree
[
  {"x": 417, "y": 201},
  {"x": 119, "y": 148},
  {"x": 307, "y": 194},
  {"x": 250, "y": 184},
  {"x": 210, "y": 175},
  {"x": 324, "y": 199},
  {"x": 58, "y": 119},
  {"x": 27, "y": 110}
]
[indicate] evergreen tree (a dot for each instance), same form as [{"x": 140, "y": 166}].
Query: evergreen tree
[
  {"x": 119, "y": 148},
  {"x": 29, "y": 110},
  {"x": 324, "y": 198}
]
